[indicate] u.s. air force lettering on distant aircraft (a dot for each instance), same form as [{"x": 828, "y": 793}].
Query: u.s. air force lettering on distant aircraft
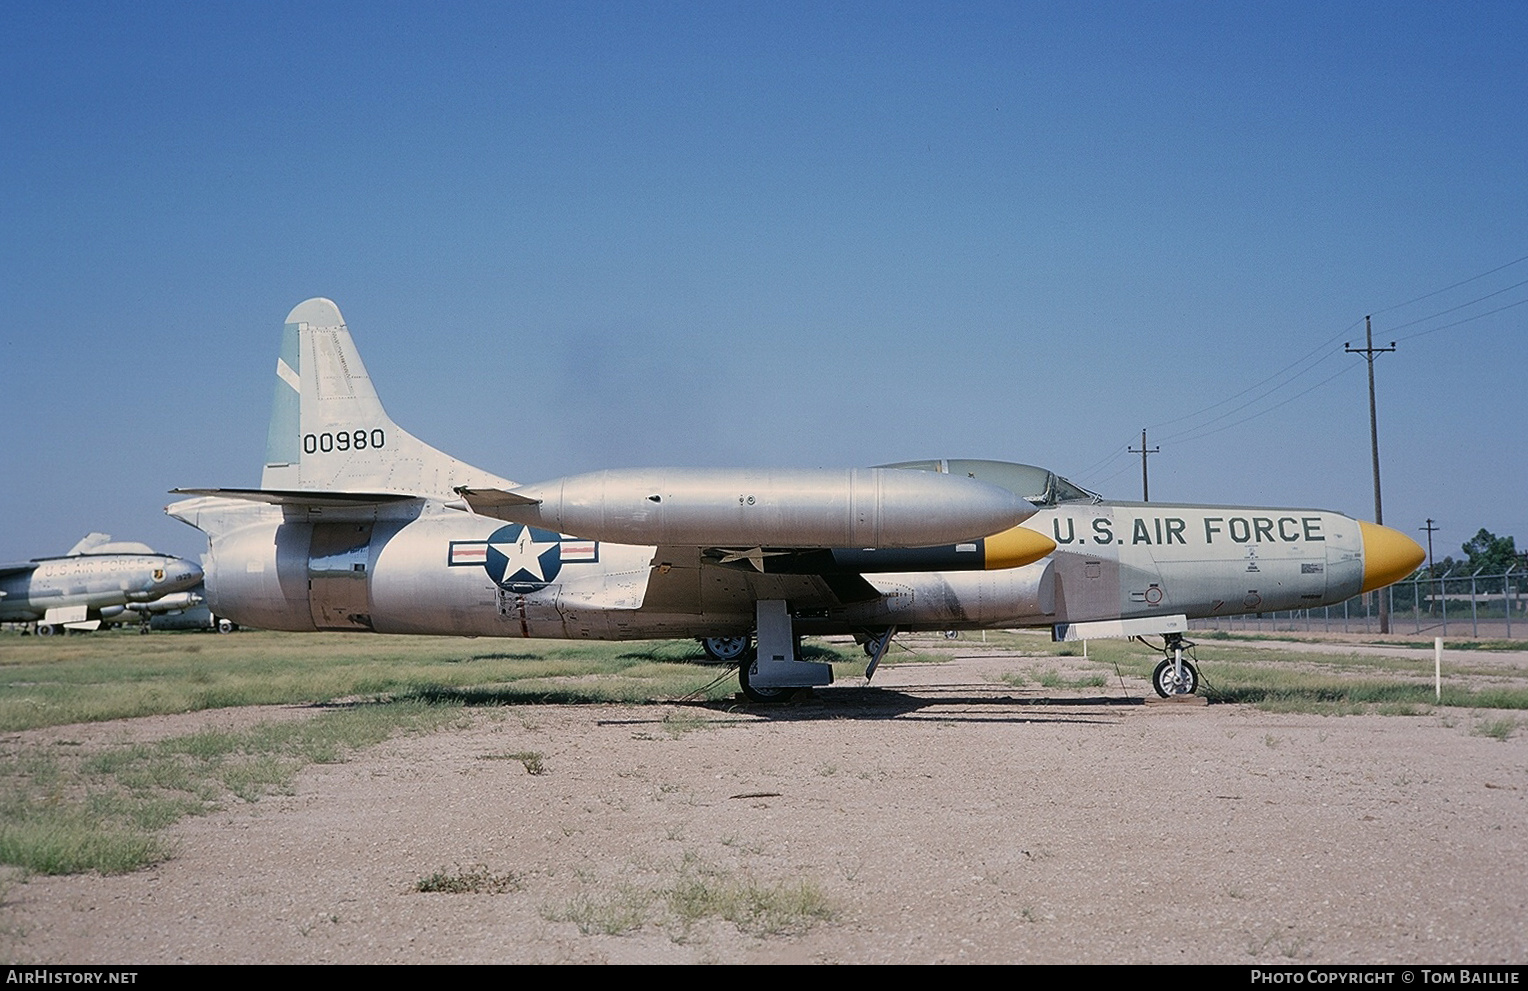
[
  {"x": 98, "y": 581},
  {"x": 359, "y": 525}
]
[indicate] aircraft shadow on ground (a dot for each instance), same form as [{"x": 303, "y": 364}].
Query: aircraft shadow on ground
[
  {"x": 954, "y": 703},
  {"x": 946, "y": 703}
]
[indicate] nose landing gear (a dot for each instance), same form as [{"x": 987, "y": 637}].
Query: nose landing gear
[{"x": 1175, "y": 676}]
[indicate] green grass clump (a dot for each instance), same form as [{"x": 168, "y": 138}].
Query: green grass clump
[
  {"x": 698, "y": 894},
  {"x": 70, "y": 841},
  {"x": 1051, "y": 678},
  {"x": 64, "y": 811},
  {"x": 785, "y": 908},
  {"x": 625, "y": 910},
  {"x": 1500, "y": 729},
  {"x": 530, "y": 759}
]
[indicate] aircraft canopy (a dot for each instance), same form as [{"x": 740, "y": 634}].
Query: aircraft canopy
[{"x": 1040, "y": 486}]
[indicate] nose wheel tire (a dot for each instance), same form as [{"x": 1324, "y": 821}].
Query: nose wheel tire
[{"x": 1165, "y": 679}]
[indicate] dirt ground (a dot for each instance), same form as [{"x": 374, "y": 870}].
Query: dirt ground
[{"x": 943, "y": 816}]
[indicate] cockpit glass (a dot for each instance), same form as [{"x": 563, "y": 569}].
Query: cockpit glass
[
  {"x": 1069, "y": 492},
  {"x": 1037, "y": 485}
]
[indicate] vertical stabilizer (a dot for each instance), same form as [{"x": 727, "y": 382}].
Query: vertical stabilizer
[
  {"x": 89, "y": 542},
  {"x": 329, "y": 432}
]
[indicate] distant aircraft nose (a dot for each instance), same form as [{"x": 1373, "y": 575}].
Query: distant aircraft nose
[
  {"x": 1389, "y": 555},
  {"x": 182, "y": 574}
]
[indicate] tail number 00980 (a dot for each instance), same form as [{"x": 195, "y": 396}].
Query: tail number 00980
[{"x": 344, "y": 440}]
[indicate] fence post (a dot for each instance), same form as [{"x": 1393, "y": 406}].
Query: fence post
[
  {"x": 1506, "y": 597},
  {"x": 1416, "y": 601},
  {"x": 1474, "y": 613},
  {"x": 1443, "y": 597}
]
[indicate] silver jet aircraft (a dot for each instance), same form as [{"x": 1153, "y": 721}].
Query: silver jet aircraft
[
  {"x": 96, "y": 580},
  {"x": 358, "y": 525}
]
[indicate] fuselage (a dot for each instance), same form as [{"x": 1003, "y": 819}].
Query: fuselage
[
  {"x": 429, "y": 569},
  {"x": 77, "y": 587}
]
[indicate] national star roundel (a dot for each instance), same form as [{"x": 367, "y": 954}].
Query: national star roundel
[{"x": 522, "y": 558}]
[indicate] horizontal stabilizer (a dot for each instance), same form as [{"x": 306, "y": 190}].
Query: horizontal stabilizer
[
  {"x": 493, "y": 502},
  {"x": 289, "y": 497}
]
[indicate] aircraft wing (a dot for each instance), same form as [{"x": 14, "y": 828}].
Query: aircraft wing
[
  {"x": 493, "y": 502},
  {"x": 681, "y": 576},
  {"x": 299, "y": 497}
]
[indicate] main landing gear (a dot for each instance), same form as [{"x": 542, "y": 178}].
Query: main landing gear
[
  {"x": 1175, "y": 676},
  {"x": 776, "y": 672},
  {"x": 726, "y": 650}
]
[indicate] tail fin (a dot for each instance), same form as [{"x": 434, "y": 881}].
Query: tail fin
[
  {"x": 89, "y": 542},
  {"x": 329, "y": 432}
]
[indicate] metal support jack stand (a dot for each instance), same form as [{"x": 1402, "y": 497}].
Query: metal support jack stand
[{"x": 776, "y": 673}]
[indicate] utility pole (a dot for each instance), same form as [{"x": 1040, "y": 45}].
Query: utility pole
[
  {"x": 1430, "y": 531},
  {"x": 1369, "y": 351},
  {"x": 1432, "y": 570},
  {"x": 1145, "y": 485}
]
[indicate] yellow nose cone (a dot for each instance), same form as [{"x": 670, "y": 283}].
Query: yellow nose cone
[
  {"x": 1016, "y": 547},
  {"x": 1389, "y": 555}
]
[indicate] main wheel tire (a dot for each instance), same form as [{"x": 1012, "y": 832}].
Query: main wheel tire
[
  {"x": 225, "y": 626},
  {"x": 758, "y": 693},
  {"x": 726, "y": 650},
  {"x": 46, "y": 629},
  {"x": 1165, "y": 679}
]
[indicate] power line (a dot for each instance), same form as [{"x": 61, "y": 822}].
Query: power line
[
  {"x": 1456, "y": 285},
  {"x": 1303, "y": 365},
  {"x": 1100, "y": 483},
  {"x": 1288, "y": 375},
  {"x": 1189, "y": 435},
  {"x": 1451, "y": 309},
  {"x": 1424, "y": 333},
  {"x": 1101, "y": 462},
  {"x": 1318, "y": 349},
  {"x": 1195, "y": 430}
]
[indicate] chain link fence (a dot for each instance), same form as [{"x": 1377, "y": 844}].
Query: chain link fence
[{"x": 1478, "y": 606}]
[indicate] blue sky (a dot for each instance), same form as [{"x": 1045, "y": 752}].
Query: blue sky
[{"x": 571, "y": 236}]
